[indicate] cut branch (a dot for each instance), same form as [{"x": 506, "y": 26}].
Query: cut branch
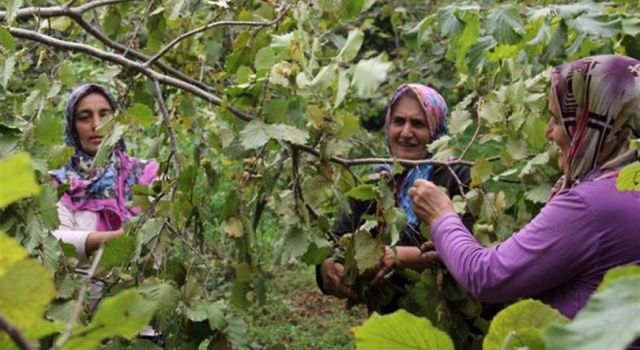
[
  {"x": 15, "y": 334},
  {"x": 186, "y": 35},
  {"x": 125, "y": 62}
]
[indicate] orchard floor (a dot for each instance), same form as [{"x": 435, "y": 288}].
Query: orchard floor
[{"x": 298, "y": 316}]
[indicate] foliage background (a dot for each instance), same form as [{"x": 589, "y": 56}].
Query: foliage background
[{"x": 257, "y": 121}]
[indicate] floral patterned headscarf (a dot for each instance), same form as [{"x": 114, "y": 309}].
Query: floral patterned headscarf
[
  {"x": 599, "y": 100},
  {"x": 104, "y": 190}
]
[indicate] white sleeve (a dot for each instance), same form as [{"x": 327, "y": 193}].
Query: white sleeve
[{"x": 74, "y": 231}]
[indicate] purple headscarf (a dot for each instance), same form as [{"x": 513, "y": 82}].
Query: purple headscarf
[
  {"x": 599, "y": 101},
  {"x": 105, "y": 190}
]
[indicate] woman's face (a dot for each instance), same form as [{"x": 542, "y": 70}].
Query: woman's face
[
  {"x": 89, "y": 113},
  {"x": 408, "y": 132},
  {"x": 556, "y": 133}
]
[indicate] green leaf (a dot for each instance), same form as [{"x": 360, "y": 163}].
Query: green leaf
[
  {"x": 141, "y": 113},
  {"x": 123, "y": 315},
  {"x": 368, "y": 75},
  {"x": 505, "y": 24},
  {"x": 534, "y": 131},
  {"x": 163, "y": 293},
  {"x": 256, "y": 134},
  {"x": 362, "y": 192},
  {"x": 26, "y": 289},
  {"x": 7, "y": 40},
  {"x": 113, "y": 131},
  {"x": 351, "y": 8},
  {"x": 325, "y": 76},
  {"x": 616, "y": 273},
  {"x": 520, "y": 325},
  {"x": 295, "y": 243},
  {"x": 600, "y": 25},
  {"x": 352, "y": 45},
  {"x": 610, "y": 320},
  {"x": 460, "y": 120},
  {"x": 343, "y": 87},
  {"x": 67, "y": 74},
  {"x": 481, "y": 171},
  {"x": 398, "y": 331},
  {"x": 49, "y": 130},
  {"x": 117, "y": 252},
  {"x": 7, "y": 70},
  {"x": 348, "y": 125},
  {"x": 46, "y": 202},
  {"x": 368, "y": 250},
  {"x": 10, "y": 252},
  {"x": 265, "y": 58},
  {"x": 12, "y": 7},
  {"x": 539, "y": 194},
  {"x": 629, "y": 178},
  {"x": 59, "y": 155},
  {"x": 17, "y": 179}
]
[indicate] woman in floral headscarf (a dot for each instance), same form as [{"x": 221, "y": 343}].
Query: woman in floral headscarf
[
  {"x": 97, "y": 200},
  {"x": 416, "y": 116},
  {"x": 588, "y": 226}
]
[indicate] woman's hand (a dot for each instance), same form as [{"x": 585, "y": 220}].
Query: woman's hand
[
  {"x": 405, "y": 257},
  {"x": 96, "y": 239},
  {"x": 331, "y": 272},
  {"x": 429, "y": 201}
]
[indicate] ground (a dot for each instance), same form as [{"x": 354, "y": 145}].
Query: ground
[{"x": 299, "y": 316}]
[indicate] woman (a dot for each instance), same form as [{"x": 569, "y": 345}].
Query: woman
[
  {"x": 587, "y": 227},
  {"x": 97, "y": 200},
  {"x": 416, "y": 116}
]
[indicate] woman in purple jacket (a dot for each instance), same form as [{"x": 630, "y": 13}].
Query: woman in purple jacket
[{"x": 588, "y": 226}]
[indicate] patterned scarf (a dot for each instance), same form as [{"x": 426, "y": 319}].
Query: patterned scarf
[
  {"x": 104, "y": 190},
  {"x": 599, "y": 100},
  {"x": 435, "y": 110}
]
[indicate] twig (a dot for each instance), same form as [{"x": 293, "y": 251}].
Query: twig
[
  {"x": 370, "y": 161},
  {"x": 77, "y": 307},
  {"x": 107, "y": 56},
  {"x": 186, "y": 35},
  {"x": 167, "y": 122},
  {"x": 15, "y": 334},
  {"x": 472, "y": 141},
  {"x": 137, "y": 29}
]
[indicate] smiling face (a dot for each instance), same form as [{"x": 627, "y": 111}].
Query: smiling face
[
  {"x": 88, "y": 116},
  {"x": 555, "y": 132},
  {"x": 408, "y": 132}
]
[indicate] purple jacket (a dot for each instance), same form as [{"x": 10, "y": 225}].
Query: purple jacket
[{"x": 559, "y": 258}]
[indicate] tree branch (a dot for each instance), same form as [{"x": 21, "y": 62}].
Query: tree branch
[
  {"x": 370, "y": 161},
  {"x": 472, "y": 141},
  {"x": 120, "y": 60},
  {"x": 167, "y": 122},
  {"x": 77, "y": 307},
  {"x": 63, "y": 10},
  {"x": 210, "y": 25},
  {"x": 15, "y": 334}
]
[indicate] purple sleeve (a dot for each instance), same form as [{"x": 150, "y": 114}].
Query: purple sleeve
[{"x": 548, "y": 251}]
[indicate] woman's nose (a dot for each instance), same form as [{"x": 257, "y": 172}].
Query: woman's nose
[
  {"x": 95, "y": 121},
  {"x": 406, "y": 130}
]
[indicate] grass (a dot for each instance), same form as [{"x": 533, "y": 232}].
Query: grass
[{"x": 298, "y": 316}]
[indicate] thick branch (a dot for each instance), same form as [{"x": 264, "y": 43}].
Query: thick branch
[
  {"x": 120, "y": 60},
  {"x": 15, "y": 334},
  {"x": 63, "y": 10},
  {"x": 186, "y": 35}
]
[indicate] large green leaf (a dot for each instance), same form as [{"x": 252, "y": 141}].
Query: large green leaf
[
  {"x": 123, "y": 315},
  {"x": 629, "y": 178},
  {"x": 7, "y": 40},
  {"x": 505, "y": 24},
  {"x": 611, "y": 320},
  {"x": 520, "y": 325},
  {"x": 49, "y": 129},
  {"x": 352, "y": 45},
  {"x": 369, "y": 74},
  {"x": 368, "y": 250},
  {"x": 7, "y": 70},
  {"x": 26, "y": 288},
  {"x": 617, "y": 273},
  {"x": 141, "y": 113},
  {"x": 399, "y": 331},
  {"x": 17, "y": 179},
  {"x": 10, "y": 252},
  {"x": 117, "y": 252},
  {"x": 256, "y": 134}
]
